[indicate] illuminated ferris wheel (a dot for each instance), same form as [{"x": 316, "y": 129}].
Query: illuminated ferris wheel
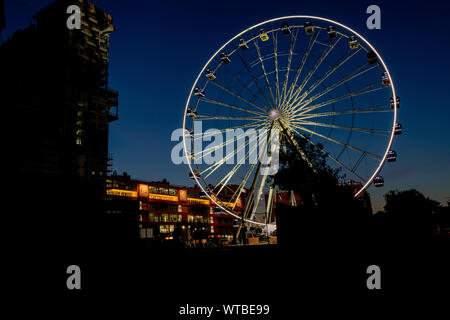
[{"x": 304, "y": 77}]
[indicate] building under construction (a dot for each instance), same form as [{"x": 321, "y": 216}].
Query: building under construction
[
  {"x": 57, "y": 107},
  {"x": 55, "y": 93}
]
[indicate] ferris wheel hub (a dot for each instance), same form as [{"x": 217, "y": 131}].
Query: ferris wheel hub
[{"x": 274, "y": 114}]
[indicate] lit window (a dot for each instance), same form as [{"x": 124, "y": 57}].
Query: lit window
[
  {"x": 78, "y": 141},
  {"x": 164, "y": 228}
]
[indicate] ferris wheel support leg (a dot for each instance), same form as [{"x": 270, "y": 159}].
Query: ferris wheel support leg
[{"x": 251, "y": 198}]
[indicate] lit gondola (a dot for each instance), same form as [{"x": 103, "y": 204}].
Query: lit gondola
[
  {"x": 191, "y": 113},
  {"x": 309, "y": 28},
  {"x": 385, "y": 78},
  {"x": 210, "y": 75},
  {"x": 353, "y": 42},
  {"x": 263, "y": 35}
]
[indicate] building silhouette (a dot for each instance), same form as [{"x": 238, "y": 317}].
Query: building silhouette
[
  {"x": 56, "y": 96},
  {"x": 57, "y": 109}
]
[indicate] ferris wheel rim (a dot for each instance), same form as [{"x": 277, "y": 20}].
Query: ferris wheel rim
[{"x": 385, "y": 68}]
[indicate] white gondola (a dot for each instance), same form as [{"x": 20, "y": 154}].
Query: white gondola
[
  {"x": 225, "y": 58},
  {"x": 210, "y": 75},
  {"x": 309, "y": 28},
  {"x": 378, "y": 181},
  {"x": 391, "y": 101},
  {"x": 353, "y": 42},
  {"x": 285, "y": 29},
  {"x": 391, "y": 156},
  {"x": 331, "y": 32},
  {"x": 398, "y": 129},
  {"x": 243, "y": 44},
  {"x": 191, "y": 113},
  {"x": 199, "y": 93}
]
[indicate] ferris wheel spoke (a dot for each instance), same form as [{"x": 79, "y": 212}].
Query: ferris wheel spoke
[
  {"x": 373, "y": 109},
  {"x": 202, "y": 153},
  {"x": 232, "y": 106},
  {"x": 291, "y": 140},
  {"x": 374, "y": 156},
  {"x": 327, "y": 154},
  {"x": 277, "y": 82},
  {"x": 245, "y": 86},
  {"x": 291, "y": 50},
  {"x": 336, "y": 66},
  {"x": 352, "y": 75},
  {"x": 311, "y": 42},
  {"x": 212, "y": 168},
  {"x": 253, "y": 78},
  {"x": 264, "y": 71},
  {"x": 325, "y": 53},
  {"x": 222, "y": 183},
  {"x": 238, "y": 191},
  {"x": 367, "y": 89},
  {"x": 328, "y": 125},
  {"x": 239, "y": 96},
  {"x": 248, "y": 125},
  {"x": 206, "y": 117}
]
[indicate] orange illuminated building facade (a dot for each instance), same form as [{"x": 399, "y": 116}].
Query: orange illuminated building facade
[{"x": 162, "y": 208}]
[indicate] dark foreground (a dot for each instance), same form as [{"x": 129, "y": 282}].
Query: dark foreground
[{"x": 321, "y": 267}]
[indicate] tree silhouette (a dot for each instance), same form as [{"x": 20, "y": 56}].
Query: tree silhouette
[
  {"x": 327, "y": 209},
  {"x": 411, "y": 211}
]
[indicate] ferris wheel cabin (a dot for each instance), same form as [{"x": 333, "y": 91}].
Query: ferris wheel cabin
[
  {"x": 391, "y": 156},
  {"x": 398, "y": 129},
  {"x": 225, "y": 58},
  {"x": 309, "y": 28},
  {"x": 353, "y": 42},
  {"x": 378, "y": 181},
  {"x": 191, "y": 113},
  {"x": 285, "y": 29},
  {"x": 331, "y": 32},
  {"x": 391, "y": 101},
  {"x": 371, "y": 57},
  {"x": 199, "y": 93},
  {"x": 210, "y": 75},
  {"x": 385, "y": 78},
  {"x": 263, "y": 35},
  {"x": 243, "y": 44}
]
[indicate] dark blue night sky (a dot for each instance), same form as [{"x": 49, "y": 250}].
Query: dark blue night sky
[{"x": 160, "y": 46}]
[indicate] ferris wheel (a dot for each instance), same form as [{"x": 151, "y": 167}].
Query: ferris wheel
[{"x": 300, "y": 76}]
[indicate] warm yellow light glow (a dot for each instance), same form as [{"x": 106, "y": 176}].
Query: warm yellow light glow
[
  {"x": 164, "y": 197},
  {"x": 121, "y": 193},
  {"x": 206, "y": 202}
]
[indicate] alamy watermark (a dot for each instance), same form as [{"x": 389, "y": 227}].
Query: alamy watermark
[{"x": 229, "y": 146}]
